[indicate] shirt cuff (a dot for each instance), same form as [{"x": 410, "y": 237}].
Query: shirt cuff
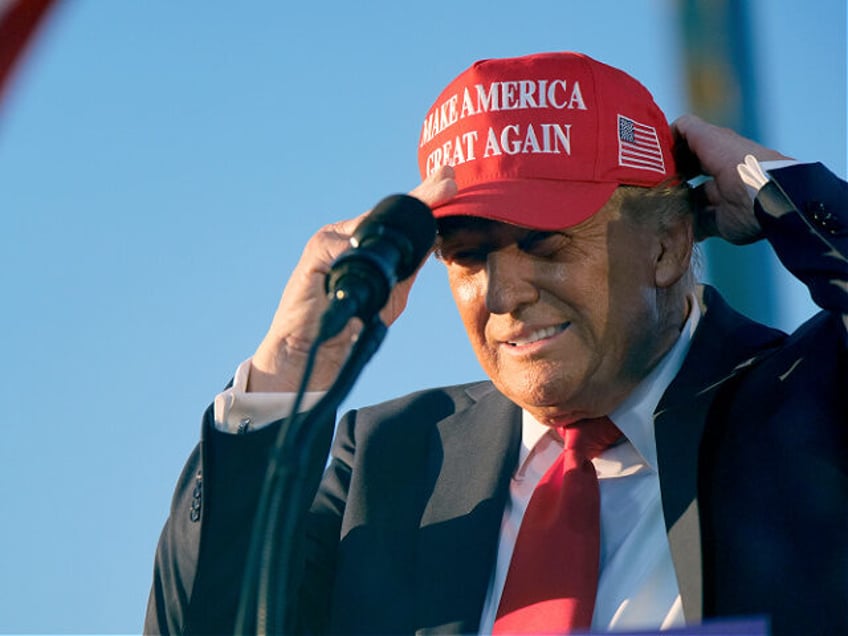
[
  {"x": 753, "y": 172},
  {"x": 237, "y": 411}
]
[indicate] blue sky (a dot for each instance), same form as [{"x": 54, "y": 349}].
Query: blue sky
[{"x": 161, "y": 165}]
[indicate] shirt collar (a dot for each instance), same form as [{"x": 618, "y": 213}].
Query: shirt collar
[{"x": 634, "y": 416}]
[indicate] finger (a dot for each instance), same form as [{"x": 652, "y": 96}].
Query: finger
[
  {"x": 398, "y": 299},
  {"x": 713, "y": 195},
  {"x": 681, "y": 128},
  {"x": 705, "y": 224},
  {"x": 346, "y": 228},
  {"x": 688, "y": 164},
  {"x": 689, "y": 132},
  {"x": 686, "y": 123},
  {"x": 437, "y": 188}
]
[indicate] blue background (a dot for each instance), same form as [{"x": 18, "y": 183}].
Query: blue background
[{"x": 161, "y": 165}]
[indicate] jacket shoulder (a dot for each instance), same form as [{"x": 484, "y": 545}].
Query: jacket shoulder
[{"x": 441, "y": 400}]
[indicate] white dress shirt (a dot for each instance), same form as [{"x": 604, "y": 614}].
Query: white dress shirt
[{"x": 637, "y": 588}]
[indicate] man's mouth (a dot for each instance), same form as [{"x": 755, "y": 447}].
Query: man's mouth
[{"x": 539, "y": 334}]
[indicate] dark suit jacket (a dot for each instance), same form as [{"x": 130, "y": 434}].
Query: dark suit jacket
[{"x": 752, "y": 443}]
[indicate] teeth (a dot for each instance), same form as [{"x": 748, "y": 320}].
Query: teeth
[{"x": 541, "y": 334}]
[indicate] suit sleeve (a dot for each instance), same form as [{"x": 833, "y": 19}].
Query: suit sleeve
[
  {"x": 810, "y": 237},
  {"x": 176, "y": 555},
  {"x": 202, "y": 552}
]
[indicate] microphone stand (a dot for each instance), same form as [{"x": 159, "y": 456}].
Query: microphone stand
[{"x": 269, "y": 593}]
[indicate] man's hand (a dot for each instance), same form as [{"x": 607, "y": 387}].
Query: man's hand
[
  {"x": 702, "y": 148},
  {"x": 278, "y": 363}
]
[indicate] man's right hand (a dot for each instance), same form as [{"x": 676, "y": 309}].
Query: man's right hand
[{"x": 279, "y": 361}]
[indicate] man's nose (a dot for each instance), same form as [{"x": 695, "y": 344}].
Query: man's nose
[{"x": 509, "y": 281}]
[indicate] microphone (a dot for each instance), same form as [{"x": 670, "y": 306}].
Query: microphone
[{"x": 386, "y": 248}]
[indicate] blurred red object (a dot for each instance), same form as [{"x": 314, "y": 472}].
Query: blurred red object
[{"x": 19, "y": 19}]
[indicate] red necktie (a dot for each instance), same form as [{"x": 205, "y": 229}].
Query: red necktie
[{"x": 553, "y": 575}]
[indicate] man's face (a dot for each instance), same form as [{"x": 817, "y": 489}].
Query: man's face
[{"x": 565, "y": 323}]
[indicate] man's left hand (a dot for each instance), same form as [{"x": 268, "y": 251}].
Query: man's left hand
[{"x": 728, "y": 211}]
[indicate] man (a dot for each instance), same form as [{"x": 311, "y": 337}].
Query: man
[{"x": 567, "y": 236}]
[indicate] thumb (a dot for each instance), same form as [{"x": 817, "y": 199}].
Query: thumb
[{"x": 437, "y": 188}]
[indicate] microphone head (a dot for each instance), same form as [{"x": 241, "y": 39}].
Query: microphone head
[
  {"x": 388, "y": 246},
  {"x": 405, "y": 221}
]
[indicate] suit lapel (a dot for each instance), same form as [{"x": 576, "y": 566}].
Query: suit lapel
[
  {"x": 678, "y": 432},
  {"x": 472, "y": 457},
  {"x": 724, "y": 344}
]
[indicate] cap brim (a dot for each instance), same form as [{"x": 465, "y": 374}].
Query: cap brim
[{"x": 540, "y": 204}]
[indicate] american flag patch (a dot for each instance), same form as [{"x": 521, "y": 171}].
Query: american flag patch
[{"x": 639, "y": 146}]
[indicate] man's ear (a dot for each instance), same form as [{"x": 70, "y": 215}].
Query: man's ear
[{"x": 675, "y": 255}]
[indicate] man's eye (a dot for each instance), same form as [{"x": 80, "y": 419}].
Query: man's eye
[
  {"x": 543, "y": 243},
  {"x": 462, "y": 255}
]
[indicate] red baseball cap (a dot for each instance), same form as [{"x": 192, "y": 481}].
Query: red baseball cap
[{"x": 542, "y": 141}]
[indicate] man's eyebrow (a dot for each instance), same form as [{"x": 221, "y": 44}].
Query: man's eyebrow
[{"x": 455, "y": 239}]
